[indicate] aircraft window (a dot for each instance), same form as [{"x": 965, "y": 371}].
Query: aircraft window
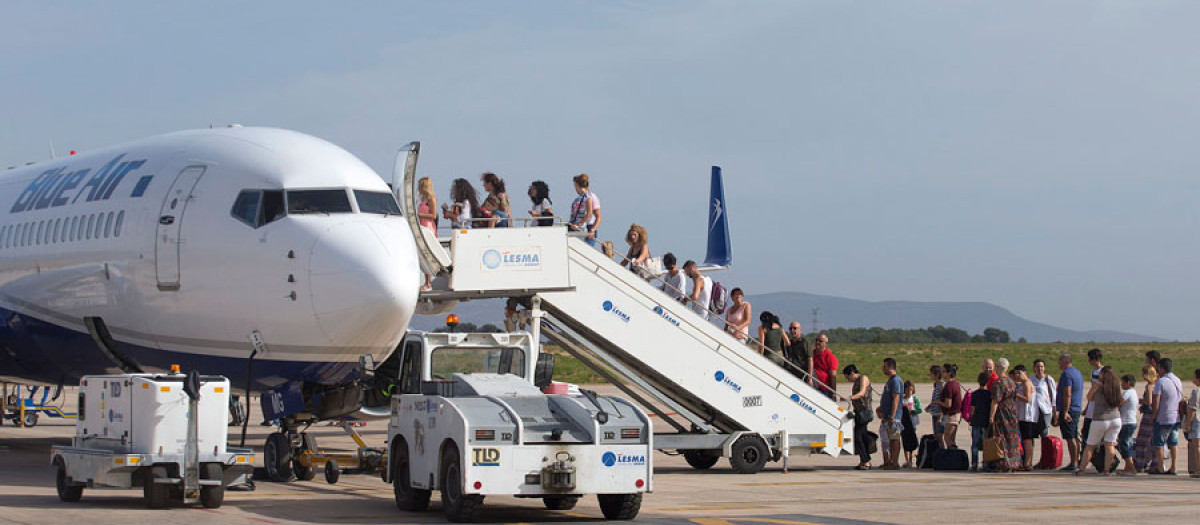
[
  {"x": 272, "y": 206},
  {"x": 245, "y": 207},
  {"x": 318, "y": 201},
  {"x": 37, "y": 237},
  {"x": 108, "y": 225},
  {"x": 29, "y": 231},
  {"x": 446, "y": 361},
  {"x": 3, "y": 235},
  {"x": 117, "y": 226},
  {"x": 91, "y": 223},
  {"x": 49, "y": 231},
  {"x": 376, "y": 202},
  {"x": 20, "y": 232},
  {"x": 99, "y": 225},
  {"x": 57, "y": 229}
]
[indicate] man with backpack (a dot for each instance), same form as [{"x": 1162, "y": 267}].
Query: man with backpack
[{"x": 701, "y": 295}]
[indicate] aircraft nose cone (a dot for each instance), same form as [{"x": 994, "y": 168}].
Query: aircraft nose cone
[{"x": 364, "y": 287}]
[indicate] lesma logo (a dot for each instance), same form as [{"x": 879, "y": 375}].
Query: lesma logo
[
  {"x": 612, "y": 459},
  {"x": 612, "y": 309},
  {"x": 727, "y": 381},
  {"x": 663, "y": 313}
]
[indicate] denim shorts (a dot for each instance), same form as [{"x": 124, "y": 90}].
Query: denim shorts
[
  {"x": 1166, "y": 435},
  {"x": 1125, "y": 440}
]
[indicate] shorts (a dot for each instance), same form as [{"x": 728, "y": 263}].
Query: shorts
[
  {"x": 1125, "y": 440},
  {"x": 952, "y": 419},
  {"x": 1166, "y": 435},
  {"x": 892, "y": 431},
  {"x": 1028, "y": 430},
  {"x": 938, "y": 426},
  {"x": 1069, "y": 429},
  {"x": 1104, "y": 431}
]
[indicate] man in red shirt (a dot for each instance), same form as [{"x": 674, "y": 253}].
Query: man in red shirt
[
  {"x": 989, "y": 367},
  {"x": 825, "y": 366}
]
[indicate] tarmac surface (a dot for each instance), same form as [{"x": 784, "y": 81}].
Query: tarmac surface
[{"x": 818, "y": 489}]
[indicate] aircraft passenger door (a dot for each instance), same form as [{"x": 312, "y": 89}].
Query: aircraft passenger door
[{"x": 170, "y": 222}]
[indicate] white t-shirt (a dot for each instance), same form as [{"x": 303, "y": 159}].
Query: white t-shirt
[
  {"x": 1170, "y": 391},
  {"x": 701, "y": 304},
  {"x": 1027, "y": 411},
  {"x": 1043, "y": 392},
  {"x": 594, "y": 202},
  {"x": 675, "y": 286},
  {"x": 541, "y": 206},
  {"x": 464, "y": 216},
  {"x": 1129, "y": 407}
]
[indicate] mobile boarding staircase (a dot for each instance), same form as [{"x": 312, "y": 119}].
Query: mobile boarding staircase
[{"x": 721, "y": 397}]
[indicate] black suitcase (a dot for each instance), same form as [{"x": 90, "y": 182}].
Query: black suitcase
[
  {"x": 951, "y": 459},
  {"x": 929, "y": 444}
]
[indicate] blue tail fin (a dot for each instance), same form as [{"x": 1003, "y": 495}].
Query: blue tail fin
[{"x": 720, "y": 251}]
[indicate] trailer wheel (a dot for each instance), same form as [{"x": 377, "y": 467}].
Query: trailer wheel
[
  {"x": 277, "y": 457},
  {"x": 408, "y": 499},
  {"x": 67, "y": 492},
  {"x": 31, "y": 419},
  {"x": 308, "y": 443},
  {"x": 459, "y": 507},
  {"x": 749, "y": 454},
  {"x": 157, "y": 495},
  {"x": 701, "y": 459},
  {"x": 560, "y": 502},
  {"x": 212, "y": 496},
  {"x": 620, "y": 506},
  {"x": 332, "y": 472}
]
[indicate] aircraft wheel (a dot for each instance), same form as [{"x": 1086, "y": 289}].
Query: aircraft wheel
[
  {"x": 459, "y": 507},
  {"x": 308, "y": 443},
  {"x": 277, "y": 457}
]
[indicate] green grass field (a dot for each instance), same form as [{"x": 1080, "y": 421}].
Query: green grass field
[{"x": 915, "y": 359}]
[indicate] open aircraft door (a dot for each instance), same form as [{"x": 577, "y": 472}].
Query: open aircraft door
[{"x": 170, "y": 222}]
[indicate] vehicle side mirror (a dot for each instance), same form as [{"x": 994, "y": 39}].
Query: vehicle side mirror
[{"x": 544, "y": 372}]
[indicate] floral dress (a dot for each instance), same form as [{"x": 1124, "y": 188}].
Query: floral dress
[{"x": 1007, "y": 426}]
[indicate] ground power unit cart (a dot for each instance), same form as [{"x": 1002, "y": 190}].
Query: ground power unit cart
[{"x": 164, "y": 433}]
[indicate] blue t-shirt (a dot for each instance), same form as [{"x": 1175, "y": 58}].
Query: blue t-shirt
[
  {"x": 1071, "y": 377},
  {"x": 894, "y": 386}
]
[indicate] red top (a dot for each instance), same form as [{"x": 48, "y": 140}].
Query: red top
[
  {"x": 952, "y": 391},
  {"x": 825, "y": 366},
  {"x": 992, "y": 380}
]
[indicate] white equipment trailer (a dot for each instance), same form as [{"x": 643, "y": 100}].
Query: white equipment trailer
[
  {"x": 722, "y": 398},
  {"x": 469, "y": 420},
  {"x": 163, "y": 433}
]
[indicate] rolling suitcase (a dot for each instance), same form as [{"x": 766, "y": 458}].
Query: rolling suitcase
[
  {"x": 951, "y": 459},
  {"x": 1052, "y": 452},
  {"x": 928, "y": 445}
]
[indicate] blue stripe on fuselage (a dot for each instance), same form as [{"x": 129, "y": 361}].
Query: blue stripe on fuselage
[{"x": 40, "y": 351}]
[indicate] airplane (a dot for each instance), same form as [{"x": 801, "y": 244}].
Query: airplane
[
  {"x": 274, "y": 258},
  {"x": 268, "y": 256}
]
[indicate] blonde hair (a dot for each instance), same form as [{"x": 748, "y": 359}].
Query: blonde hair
[
  {"x": 581, "y": 180},
  {"x": 425, "y": 188},
  {"x": 640, "y": 231},
  {"x": 1149, "y": 374}
]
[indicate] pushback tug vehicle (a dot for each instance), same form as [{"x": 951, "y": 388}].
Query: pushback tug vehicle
[
  {"x": 470, "y": 419},
  {"x": 164, "y": 433}
]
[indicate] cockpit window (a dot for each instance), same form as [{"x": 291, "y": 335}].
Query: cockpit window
[
  {"x": 376, "y": 202},
  {"x": 318, "y": 201},
  {"x": 258, "y": 207}
]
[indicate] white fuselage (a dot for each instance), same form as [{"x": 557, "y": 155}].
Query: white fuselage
[{"x": 144, "y": 238}]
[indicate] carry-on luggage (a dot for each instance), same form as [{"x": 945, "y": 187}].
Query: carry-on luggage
[
  {"x": 928, "y": 445},
  {"x": 951, "y": 459},
  {"x": 1052, "y": 452}
]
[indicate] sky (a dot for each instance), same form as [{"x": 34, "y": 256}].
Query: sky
[{"x": 1037, "y": 155}]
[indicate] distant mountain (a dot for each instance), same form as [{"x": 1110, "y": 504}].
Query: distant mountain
[{"x": 973, "y": 317}]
